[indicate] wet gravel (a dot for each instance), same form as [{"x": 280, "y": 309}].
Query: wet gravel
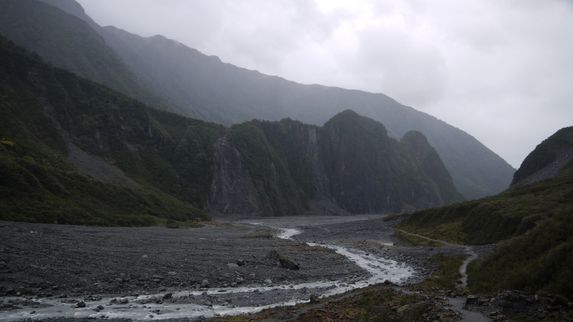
[
  {"x": 100, "y": 270},
  {"x": 55, "y": 260}
]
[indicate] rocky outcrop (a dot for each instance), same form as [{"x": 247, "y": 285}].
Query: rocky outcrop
[
  {"x": 348, "y": 165},
  {"x": 371, "y": 172},
  {"x": 232, "y": 190},
  {"x": 429, "y": 162},
  {"x": 548, "y": 158}
]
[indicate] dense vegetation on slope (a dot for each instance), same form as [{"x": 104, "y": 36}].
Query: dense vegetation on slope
[
  {"x": 66, "y": 140},
  {"x": 91, "y": 155},
  {"x": 224, "y": 93},
  {"x": 349, "y": 164},
  {"x": 385, "y": 176},
  {"x": 66, "y": 42},
  {"x": 547, "y": 159},
  {"x": 276, "y": 191},
  {"x": 203, "y": 87},
  {"x": 532, "y": 224}
]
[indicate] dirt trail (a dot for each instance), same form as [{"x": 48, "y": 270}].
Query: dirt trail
[
  {"x": 458, "y": 303},
  {"x": 468, "y": 250}
]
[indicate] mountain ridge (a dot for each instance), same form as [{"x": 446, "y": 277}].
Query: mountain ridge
[
  {"x": 215, "y": 91},
  {"x": 177, "y": 168}
]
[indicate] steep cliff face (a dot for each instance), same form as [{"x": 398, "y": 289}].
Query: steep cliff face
[
  {"x": 548, "y": 158},
  {"x": 370, "y": 172},
  {"x": 232, "y": 189},
  {"x": 428, "y": 161},
  {"x": 350, "y": 164}
]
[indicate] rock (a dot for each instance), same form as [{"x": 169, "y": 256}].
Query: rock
[
  {"x": 172, "y": 273},
  {"x": 232, "y": 265},
  {"x": 471, "y": 300},
  {"x": 403, "y": 308},
  {"x": 99, "y": 308},
  {"x": 282, "y": 261},
  {"x": 241, "y": 262},
  {"x": 314, "y": 299},
  {"x": 168, "y": 296},
  {"x": 268, "y": 281},
  {"x": 483, "y": 301},
  {"x": 119, "y": 301},
  {"x": 205, "y": 283},
  {"x": 81, "y": 304}
]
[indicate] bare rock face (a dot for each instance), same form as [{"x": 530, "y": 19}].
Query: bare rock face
[
  {"x": 350, "y": 165},
  {"x": 232, "y": 190},
  {"x": 370, "y": 172}
]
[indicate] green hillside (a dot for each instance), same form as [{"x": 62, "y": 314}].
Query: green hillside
[
  {"x": 159, "y": 162},
  {"x": 532, "y": 226}
]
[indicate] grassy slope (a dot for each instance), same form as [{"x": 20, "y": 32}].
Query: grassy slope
[
  {"x": 38, "y": 186},
  {"x": 167, "y": 155},
  {"x": 533, "y": 225}
]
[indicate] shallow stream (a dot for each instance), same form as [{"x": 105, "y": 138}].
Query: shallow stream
[{"x": 211, "y": 302}]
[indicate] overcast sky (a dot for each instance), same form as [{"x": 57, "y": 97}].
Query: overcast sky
[{"x": 501, "y": 70}]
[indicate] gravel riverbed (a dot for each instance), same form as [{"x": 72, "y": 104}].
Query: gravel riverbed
[{"x": 49, "y": 271}]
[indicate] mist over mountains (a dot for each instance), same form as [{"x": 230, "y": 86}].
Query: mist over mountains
[
  {"x": 221, "y": 191},
  {"x": 168, "y": 75}
]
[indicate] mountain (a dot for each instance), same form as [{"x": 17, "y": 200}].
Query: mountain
[
  {"x": 363, "y": 163},
  {"x": 185, "y": 81},
  {"x": 66, "y": 42},
  {"x": 348, "y": 165},
  {"x": 531, "y": 224},
  {"x": 548, "y": 158},
  {"x": 74, "y": 151},
  {"x": 228, "y": 94}
]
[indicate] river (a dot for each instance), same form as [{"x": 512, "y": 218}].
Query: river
[{"x": 199, "y": 303}]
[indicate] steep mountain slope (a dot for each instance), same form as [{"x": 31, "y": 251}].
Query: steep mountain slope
[
  {"x": 350, "y": 164},
  {"x": 531, "y": 222},
  {"x": 429, "y": 161},
  {"x": 364, "y": 163},
  {"x": 228, "y": 94},
  {"x": 76, "y": 152},
  {"x": 66, "y": 42},
  {"x": 547, "y": 159},
  {"x": 201, "y": 86}
]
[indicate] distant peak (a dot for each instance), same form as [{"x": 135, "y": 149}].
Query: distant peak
[
  {"x": 350, "y": 119},
  {"x": 71, "y": 7},
  {"x": 348, "y": 113},
  {"x": 415, "y": 137}
]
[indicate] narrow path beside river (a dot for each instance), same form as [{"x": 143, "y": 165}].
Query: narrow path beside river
[{"x": 458, "y": 303}]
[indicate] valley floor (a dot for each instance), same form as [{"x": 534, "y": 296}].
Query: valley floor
[{"x": 338, "y": 264}]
